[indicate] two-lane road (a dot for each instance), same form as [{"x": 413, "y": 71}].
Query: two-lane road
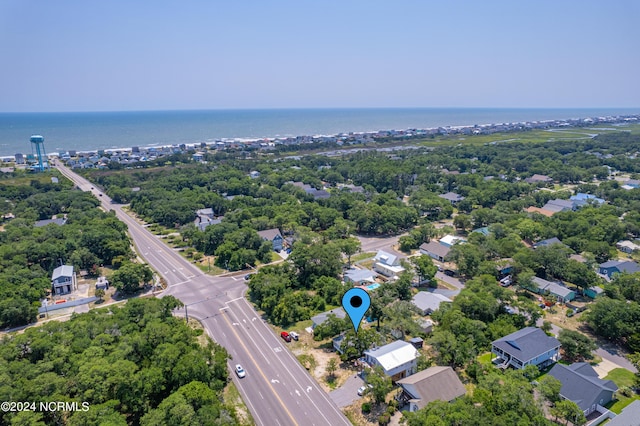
[{"x": 277, "y": 389}]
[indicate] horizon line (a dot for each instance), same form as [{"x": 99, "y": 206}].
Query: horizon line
[{"x": 326, "y": 108}]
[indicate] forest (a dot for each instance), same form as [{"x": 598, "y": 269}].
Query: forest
[
  {"x": 89, "y": 239},
  {"x": 132, "y": 364}
]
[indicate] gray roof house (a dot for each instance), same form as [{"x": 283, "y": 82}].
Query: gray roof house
[
  {"x": 617, "y": 266},
  {"x": 529, "y": 346},
  {"x": 558, "y": 205},
  {"x": 561, "y": 293},
  {"x": 360, "y": 276},
  {"x": 55, "y": 220},
  {"x": 580, "y": 384},
  {"x": 548, "y": 242},
  {"x": 428, "y": 302},
  {"x": 435, "y": 250},
  {"x": 320, "y": 318},
  {"x": 274, "y": 236},
  {"x": 63, "y": 280},
  {"x": 432, "y": 384},
  {"x": 452, "y": 197},
  {"x": 629, "y": 416}
]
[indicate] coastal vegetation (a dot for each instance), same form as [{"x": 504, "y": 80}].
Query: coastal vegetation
[
  {"x": 88, "y": 239},
  {"x": 129, "y": 364},
  {"x": 320, "y": 204}
]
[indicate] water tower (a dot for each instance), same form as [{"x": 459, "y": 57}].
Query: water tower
[{"x": 37, "y": 150}]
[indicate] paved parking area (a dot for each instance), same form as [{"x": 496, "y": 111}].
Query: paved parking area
[{"x": 347, "y": 394}]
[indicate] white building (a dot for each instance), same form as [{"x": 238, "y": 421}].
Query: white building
[
  {"x": 387, "y": 264},
  {"x": 398, "y": 359}
]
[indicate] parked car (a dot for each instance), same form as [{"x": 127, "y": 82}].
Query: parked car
[
  {"x": 364, "y": 389},
  {"x": 449, "y": 272},
  {"x": 246, "y": 277},
  {"x": 240, "y": 371},
  {"x": 506, "y": 281},
  {"x": 294, "y": 335},
  {"x": 286, "y": 336}
]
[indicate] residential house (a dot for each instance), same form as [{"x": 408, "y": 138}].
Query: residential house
[
  {"x": 528, "y": 346},
  {"x": 627, "y": 246},
  {"x": 435, "y": 250},
  {"x": 360, "y": 276},
  {"x": 452, "y": 197},
  {"x": 628, "y": 417},
  {"x": 538, "y": 210},
  {"x": 582, "y": 199},
  {"x": 484, "y": 231},
  {"x": 593, "y": 292},
  {"x": 254, "y": 174},
  {"x": 612, "y": 267},
  {"x": 387, "y": 264},
  {"x": 560, "y": 292},
  {"x": 580, "y": 384},
  {"x": 427, "y": 302},
  {"x": 398, "y": 359},
  {"x": 274, "y": 236},
  {"x": 549, "y": 242},
  {"x": 321, "y": 318},
  {"x": 55, "y": 220},
  {"x": 63, "y": 280},
  {"x": 632, "y": 183},
  {"x": 536, "y": 178},
  {"x": 451, "y": 240},
  {"x": 558, "y": 205},
  {"x": 432, "y": 384},
  {"x": 206, "y": 217}
]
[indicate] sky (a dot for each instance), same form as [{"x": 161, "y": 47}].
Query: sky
[{"x": 119, "y": 55}]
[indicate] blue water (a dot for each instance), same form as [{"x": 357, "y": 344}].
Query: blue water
[{"x": 103, "y": 130}]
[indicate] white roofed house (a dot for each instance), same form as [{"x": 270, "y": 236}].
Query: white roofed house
[
  {"x": 428, "y": 302},
  {"x": 398, "y": 359},
  {"x": 63, "y": 280},
  {"x": 387, "y": 264}
]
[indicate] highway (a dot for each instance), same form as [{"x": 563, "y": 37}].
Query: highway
[{"x": 276, "y": 389}]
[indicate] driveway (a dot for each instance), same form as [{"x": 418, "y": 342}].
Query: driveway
[
  {"x": 347, "y": 394},
  {"x": 450, "y": 280}
]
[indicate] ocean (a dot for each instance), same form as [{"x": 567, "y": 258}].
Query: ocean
[{"x": 87, "y": 131}]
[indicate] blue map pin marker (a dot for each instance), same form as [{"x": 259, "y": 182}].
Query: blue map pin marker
[{"x": 356, "y": 302}]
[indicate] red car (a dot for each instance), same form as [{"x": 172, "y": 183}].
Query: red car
[{"x": 285, "y": 336}]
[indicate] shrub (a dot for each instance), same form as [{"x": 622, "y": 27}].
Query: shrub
[
  {"x": 366, "y": 407},
  {"x": 384, "y": 419}
]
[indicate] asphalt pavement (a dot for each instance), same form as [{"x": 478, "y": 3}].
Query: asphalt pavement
[{"x": 276, "y": 389}]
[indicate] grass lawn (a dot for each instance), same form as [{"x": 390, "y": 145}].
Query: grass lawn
[
  {"x": 622, "y": 378},
  {"x": 362, "y": 256},
  {"x": 485, "y": 359}
]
